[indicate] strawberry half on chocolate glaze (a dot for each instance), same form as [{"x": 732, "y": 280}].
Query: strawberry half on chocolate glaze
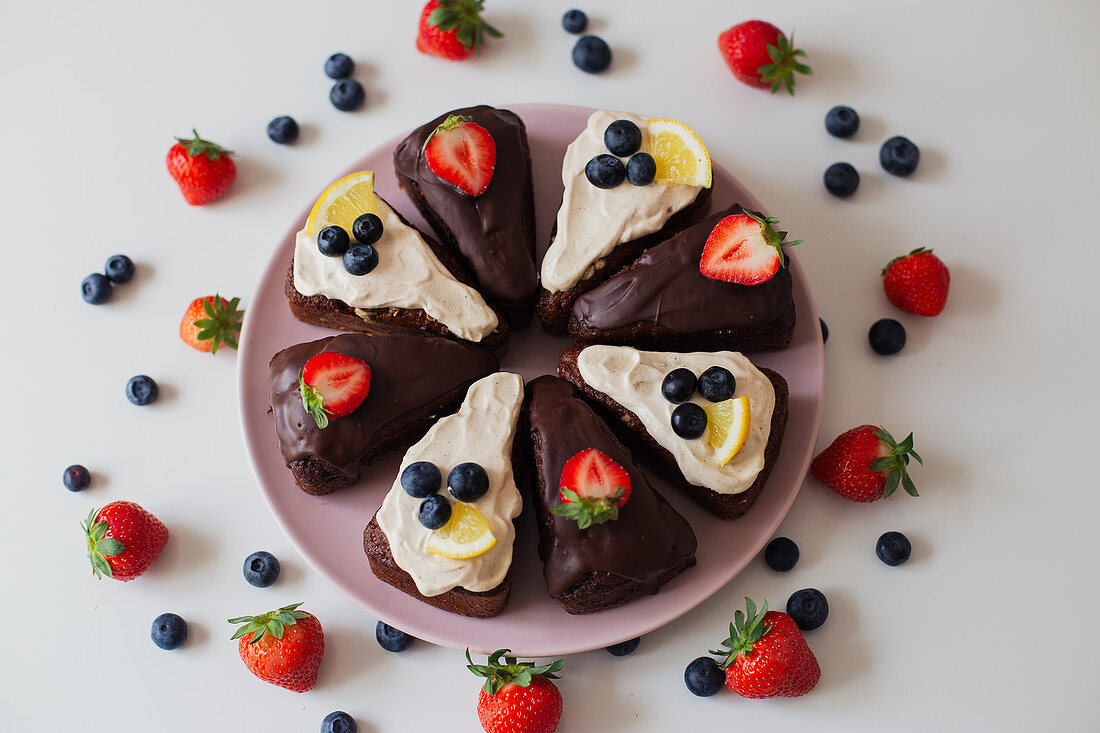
[
  {"x": 593, "y": 488},
  {"x": 745, "y": 249},
  {"x": 462, "y": 153},
  {"x": 333, "y": 385}
]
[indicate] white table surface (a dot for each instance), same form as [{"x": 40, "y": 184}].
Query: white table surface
[{"x": 991, "y": 624}]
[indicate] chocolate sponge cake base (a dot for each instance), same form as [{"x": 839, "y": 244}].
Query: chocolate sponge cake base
[
  {"x": 630, "y": 429},
  {"x": 555, "y": 308}
]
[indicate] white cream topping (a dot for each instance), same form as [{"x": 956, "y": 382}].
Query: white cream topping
[
  {"x": 593, "y": 221},
  {"x": 408, "y": 275},
  {"x": 481, "y": 432},
  {"x": 633, "y": 379}
]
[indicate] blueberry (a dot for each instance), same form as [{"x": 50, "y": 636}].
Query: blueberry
[
  {"x": 261, "y": 569},
  {"x": 842, "y": 121},
  {"x": 624, "y": 647},
  {"x": 421, "y": 479},
  {"x": 781, "y": 554},
  {"x": 96, "y": 289},
  {"x": 434, "y": 511},
  {"x": 367, "y": 228},
  {"x": 717, "y": 384},
  {"x": 282, "y": 130},
  {"x": 391, "y": 639},
  {"x": 703, "y": 677},
  {"x": 641, "y": 169},
  {"x": 339, "y": 66},
  {"x": 605, "y": 171},
  {"x": 899, "y": 156},
  {"x": 142, "y": 390},
  {"x": 841, "y": 179},
  {"x": 824, "y": 331},
  {"x": 169, "y": 631},
  {"x": 808, "y": 608},
  {"x": 689, "y": 420},
  {"x": 119, "y": 269},
  {"x": 893, "y": 548},
  {"x": 347, "y": 95},
  {"x": 574, "y": 21},
  {"x": 591, "y": 54},
  {"x": 76, "y": 478},
  {"x": 622, "y": 138},
  {"x": 338, "y": 721},
  {"x": 360, "y": 259},
  {"x": 467, "y": 482},
  {"x": 887, "y": 336},
  {"x": 333, "y": 241},
  {"x": 678, "y": 385}
]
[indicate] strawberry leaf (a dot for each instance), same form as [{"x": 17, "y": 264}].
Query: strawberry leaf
[
  {"x": 197, "y": 146},
  {"x": 510, "y": 671},
  {"x": 784, "y": 64}
]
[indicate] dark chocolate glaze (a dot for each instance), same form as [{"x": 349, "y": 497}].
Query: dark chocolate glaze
[
  {"x": 495, "y": 231},
  {"x": 406, "y": 373},
  {"x": 665, "y": 286},
  {"x": 648, "y": 538}
]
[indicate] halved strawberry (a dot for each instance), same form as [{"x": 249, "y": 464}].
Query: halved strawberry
[
  {"x": 333, "y": 385},
  {"x": 593, "y": 488},
  {"x": 462, "y": 153},
  {"x": 745, "y": 249}
]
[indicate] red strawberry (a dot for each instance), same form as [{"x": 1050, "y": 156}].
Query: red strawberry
[
  {"x": 760, "y": 55},
  {"x": 203, "y": 170},
  {"x": 517, "y": 697},
  {"x": 210, "y": 322},
  {"x": 333, "y": 385},
  {"x": 744, "y": 248},
  {"x": 866, "y": 464},
  {"x": 462, "y": 153},
  {"x": 453, "y": 29},
  {"x": 917, "y": 282},
  {"x": 123, "y": 540},
  {"x": 766, "y": 655},
  {"x": 283, "y": 647},
  {"x": 593, "y": 488}
]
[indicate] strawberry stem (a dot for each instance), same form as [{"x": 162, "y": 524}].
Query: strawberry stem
[
  {"x": 896, "y": 464},
  {"x": 100, "y": 547},
  {"x": 272, "y": 622},
  {"x": 497, "y": 674},
  {"x": 313, "y": 402},
  {"x": 197, "y": 146},
  {"x": 784, "y": 64},
  {"x": 747, "y": 628}
]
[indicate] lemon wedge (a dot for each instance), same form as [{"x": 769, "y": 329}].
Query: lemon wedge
[
  {"x": 680, "y": 155},
  {"x": 465, "y": 535},
  {"x": 342, "y": 203},
  {"x": 727, "y": 427}
]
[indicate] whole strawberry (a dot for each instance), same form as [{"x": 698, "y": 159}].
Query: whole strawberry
[
  {"x": 202, "y": 169},
  {"x": 283, "y": 647},
  {"x": 766, "y": 656},
  {"x": 123, "y": 540},
  {"x": 866, "y": 464},
  {"x": 917, "y": 282},
  {"x": 760, "y": 55},
  {"x": 517, "y": 697},
  {"x": 210, "y": 322},
  {"x": 453, "y": 29}
]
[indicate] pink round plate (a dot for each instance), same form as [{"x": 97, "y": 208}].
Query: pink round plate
[{"x": 329, "y": 530}]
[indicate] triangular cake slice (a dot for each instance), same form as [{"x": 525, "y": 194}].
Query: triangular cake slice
[
  {"x": 600, "y": 230},
  {"x": 627, "y": 387},
  {"x": 463, "y": 566},
  {"x": 663, "y": 301},
  {"x": 416, "y": 285},
  {"x": 604, "y": 564},
  {"x": 413, "y": 379},
  {"x": 492, "y": 233}
]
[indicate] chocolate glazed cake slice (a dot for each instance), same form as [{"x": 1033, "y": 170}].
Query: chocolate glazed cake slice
[
  {"x": 413, "y": 380},
  {"x": 663, "y": 301},
  {"x": 493, "y": 233},
  {"x": 607, "y": 564}
]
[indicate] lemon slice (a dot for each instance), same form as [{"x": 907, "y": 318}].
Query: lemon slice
[
  {"x": 727, "y": 427},
  {"x": 342, "y": 203},
  {"x": 465, "y": 535},
  {"x": 680, "y": 155}
]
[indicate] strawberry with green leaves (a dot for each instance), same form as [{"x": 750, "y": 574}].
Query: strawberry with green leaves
[
  {"x": 453, "y": 29},
  {"x": 211, "y": 322},
  {"x": 745, "y": 249},
  {"x": 202, "y": 169},
  {"x": 517, "y": 697},
  {"x": 123, "y": 540},
  {"x": 593, "y": 488},
  {"x": 866, "y": 464},
  {"x": 760, "y": 55},
  {"x": 766, "y": 655},
  {"x": 917, "y": 282},
  {"x": 283, "y": 647},
  {"x": 462, "y": 153},
  {"x": 332, "y": 385}
]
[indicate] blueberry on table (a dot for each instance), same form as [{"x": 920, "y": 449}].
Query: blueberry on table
[
  {"x": 338, "y": 722},
  {"x": 808, "y": 608},
  {"x": 887, "y": 336},
  {"x": 574, "y": 21},
  {"x": 841, "y": 179},
  {"x": 367, "y": 228},
  {"x": 434, "y": 512},
  {"x": 689, "y": 420},
  {"x": 142, "y": 390},
  {"x": 703, "y": 677},
  {"x": 261, "y": 569},
  {"x": 678, "y": 385},
  {"x": 76, "y": 478},
  {"x": 282, "y": 130},
  {"x": 781, "y": 554},
  {"x": 641, "y": 169},
  {"x": 893, "y": 548},
  {"x": 96, "y": 289},
  {"x": 824, "y": 331},
  {"x": 339, "y": 66},
  {"x": 333, "y": 241},
  {"x": 421, "y": 479},
  {"x": 624, "y": 647},
  {"x": 841, "y": 121},
  {"x": 591, "y": 54},
  {"x": 347, "y": 95},
  {"x": 899, "y": 156},
  {"x": 119, "y": 269},
  {"x": 467, "y": 482},
  {"x": 391, "y": 639},
  {"x": 169, "y": 631},
  {"x": 717, "y": 384},
  {"x": 360, "y": 259},
  {"x": 622, "y": 138},
  {"x": 605, "y": 171}
]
